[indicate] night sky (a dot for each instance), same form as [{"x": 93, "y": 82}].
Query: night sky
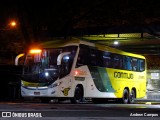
[
  {"x": 43, "y": 18},
  {"x": 40, "y": 20},
  {"x": 64, "y": 15}
]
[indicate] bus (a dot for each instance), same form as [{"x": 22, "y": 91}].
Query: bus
[{"x": 78, "y": 70}]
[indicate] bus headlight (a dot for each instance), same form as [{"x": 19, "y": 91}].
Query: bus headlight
[{"x": 54, "y": 85}]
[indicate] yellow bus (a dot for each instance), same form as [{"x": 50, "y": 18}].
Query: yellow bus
[{"x": 76, "y": 70}]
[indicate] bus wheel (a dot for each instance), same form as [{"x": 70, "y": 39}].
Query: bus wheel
[
  {"x": 132, "y": 97},
  {"x": 78, "y": 96},
  {"x": 125, "y": 98}
]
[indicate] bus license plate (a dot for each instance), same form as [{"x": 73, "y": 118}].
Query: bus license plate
[{"x": 36, "y": 93}]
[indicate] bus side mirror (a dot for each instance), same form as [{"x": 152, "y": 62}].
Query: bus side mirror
[
  {"x": 60, "y": 56},
  {"x": 17, "y": 58}
]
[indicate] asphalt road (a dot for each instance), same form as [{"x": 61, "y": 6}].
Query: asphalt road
[{"x": 67, "y": 111}]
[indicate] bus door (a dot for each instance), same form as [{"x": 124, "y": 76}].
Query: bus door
[{"x": 64, "y": 62}]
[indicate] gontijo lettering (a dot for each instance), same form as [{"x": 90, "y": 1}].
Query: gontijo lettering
[{"x": 123, "y": 75}]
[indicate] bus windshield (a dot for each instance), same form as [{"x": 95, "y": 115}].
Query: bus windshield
[{"x": 48, "y": 64}]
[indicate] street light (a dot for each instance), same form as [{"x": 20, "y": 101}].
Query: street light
[
  {"x": 116, "y": 43},
  {"x": 8, "y": 35},
  {"x": 9, "y": 26},
  {"x": 13, "y": 23}
]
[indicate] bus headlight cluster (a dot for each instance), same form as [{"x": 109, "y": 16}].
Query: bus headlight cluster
[{"x": 55, "y": 85}]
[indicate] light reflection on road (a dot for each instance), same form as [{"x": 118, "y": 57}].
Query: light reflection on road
[
  {"x": 129, "y": 105},
  {"x": 63, "y": 106}
]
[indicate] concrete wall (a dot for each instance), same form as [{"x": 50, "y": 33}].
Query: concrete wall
[{"x": 153, "y": 84}]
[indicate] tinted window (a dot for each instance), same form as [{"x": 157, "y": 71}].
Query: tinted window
[
  {"x": 107, "y": 60},
  {"x": 83, "y": 56},
  {"x": 117, "y": 61},
  {"x": 134, "y": 64},
  {"x": 142, "y": 65},
  {"x": 90, "y": 56}
]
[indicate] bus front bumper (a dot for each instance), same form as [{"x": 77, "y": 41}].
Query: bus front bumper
[{"x": 37, "y": 92}]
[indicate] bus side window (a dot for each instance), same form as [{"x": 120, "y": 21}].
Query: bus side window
[
  {"x": 127, "y": 63},
  {"x": 117, "y": 60},
  {"x": 142, "y": 65},
  {"x": 134, "y": 64},
  {"x": 93, "y": 57},
  {"x": 107, "y": 60},
  {"x": 100, "y": 58},
  {"x": 96, "y": 58},
  {"x": 83, "y": 57}
]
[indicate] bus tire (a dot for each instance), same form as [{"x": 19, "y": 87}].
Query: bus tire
[
  {"x": 132, "y": 96},
  {"x": 125, "y": 98},
  {"x": 78, "y": 96}
]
